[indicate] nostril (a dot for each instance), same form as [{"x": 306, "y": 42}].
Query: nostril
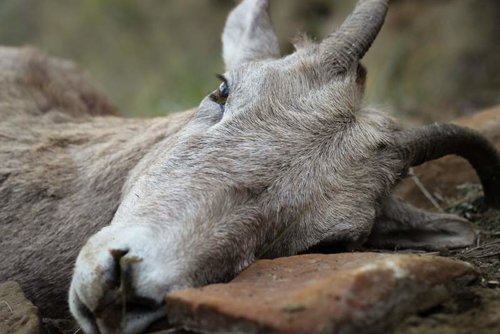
[
  {"x": 118, "y": 299},
  {"x": 117, "y": 254},
  {"x": 120, "y": 275},
  {"x": 117, "y": 274}
]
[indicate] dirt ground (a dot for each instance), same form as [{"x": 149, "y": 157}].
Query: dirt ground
[{"x": 476, "y": 309}]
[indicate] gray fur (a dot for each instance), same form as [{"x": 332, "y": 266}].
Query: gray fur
[
  {"x": 61, "y": 169},
  {"x": 294, "y": 159}
]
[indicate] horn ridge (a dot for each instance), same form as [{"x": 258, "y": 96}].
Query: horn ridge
[{"x": 352, "y": 40}]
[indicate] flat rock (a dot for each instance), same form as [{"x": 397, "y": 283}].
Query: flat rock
[
  {"x": 17, "y": 314},
  {"x": 316, "y": 293}
]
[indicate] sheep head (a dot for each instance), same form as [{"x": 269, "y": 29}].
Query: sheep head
[{"x": 282, "y": 156}]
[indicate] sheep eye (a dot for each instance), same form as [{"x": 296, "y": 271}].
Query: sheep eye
[
  {"x": 222, "y": 93},
  {"x": 224, "y": 89}
]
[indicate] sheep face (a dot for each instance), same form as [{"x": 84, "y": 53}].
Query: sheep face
[{"x": 279, "y": 157}]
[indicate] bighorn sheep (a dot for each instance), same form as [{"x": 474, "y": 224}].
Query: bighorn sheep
[{"x": 281, "y": 157}]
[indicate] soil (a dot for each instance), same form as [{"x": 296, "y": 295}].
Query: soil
[{"x": 475, "y": 309}]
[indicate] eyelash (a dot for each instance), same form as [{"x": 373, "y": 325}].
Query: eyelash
[{"x": 221, "y": 78}]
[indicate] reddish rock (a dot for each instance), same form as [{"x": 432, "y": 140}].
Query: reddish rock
[
  {"x": 17, "y": 314},
  {"x": 442, "y": 176},
  {"x": 339, "y": 293}
]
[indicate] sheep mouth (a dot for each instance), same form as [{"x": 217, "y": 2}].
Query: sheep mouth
[
  {"x": 130, "y": 313},
  {"x": 133, "y": 316}
]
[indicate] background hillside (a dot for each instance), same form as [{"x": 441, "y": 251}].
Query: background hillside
[{"x": 434, "y": 60}]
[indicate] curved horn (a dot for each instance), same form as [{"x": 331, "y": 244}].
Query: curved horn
[
  {"x": 437, "y": 140},
  {"x": 352, "y": 40}
]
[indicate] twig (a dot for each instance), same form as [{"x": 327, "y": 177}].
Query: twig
[
  {"x": 10, "y": 308},
  {"x": 488, "y": 255},
  {"x": 424, "y": 191},
  {"x": 484, "y": 250},
  {"x": 492, "y": 234}
]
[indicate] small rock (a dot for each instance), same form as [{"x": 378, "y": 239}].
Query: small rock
[
  {"x": 315, "y": 293},
  {"x": 492, "y": 284},
  {"x": 17, "y": 314}
]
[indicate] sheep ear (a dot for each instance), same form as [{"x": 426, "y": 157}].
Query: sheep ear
[{"x": 249, "y": 34}]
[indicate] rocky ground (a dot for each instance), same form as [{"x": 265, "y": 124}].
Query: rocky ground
[{"x": 366, "y": 292}]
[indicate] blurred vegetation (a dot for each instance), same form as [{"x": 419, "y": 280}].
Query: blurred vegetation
[{"x": 435, "y": 59}]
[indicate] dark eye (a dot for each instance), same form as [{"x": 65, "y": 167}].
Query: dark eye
[
  {"x": 224, "y": 89},
  {"x": 222, "y": 93}
]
